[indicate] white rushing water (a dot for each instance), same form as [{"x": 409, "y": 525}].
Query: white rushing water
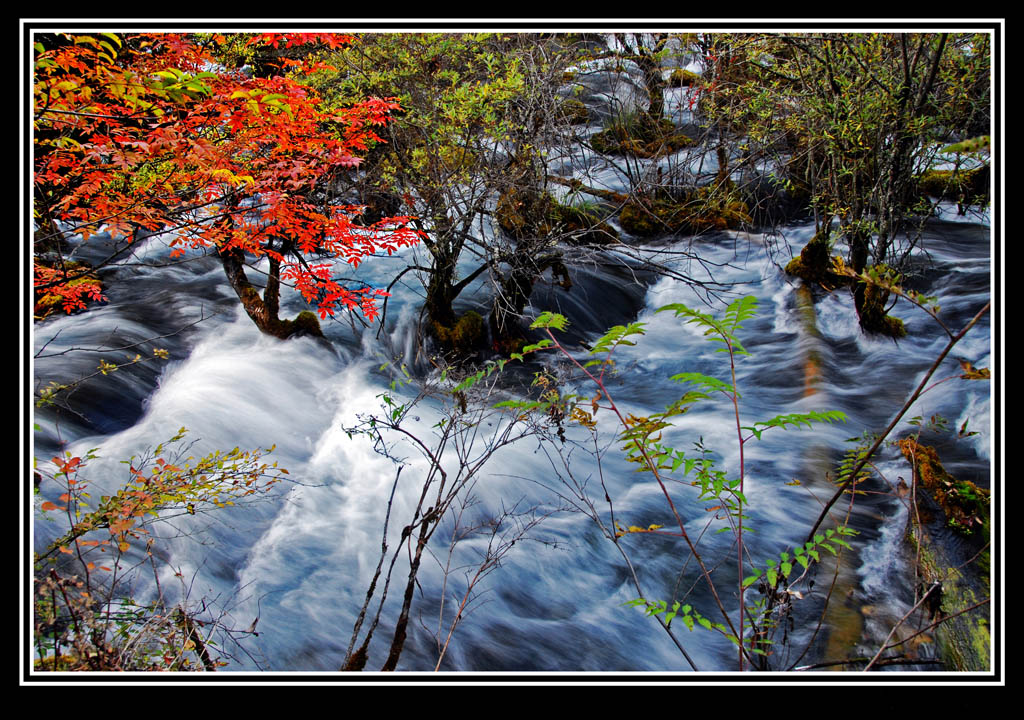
[{"x": 301, "y": 559}]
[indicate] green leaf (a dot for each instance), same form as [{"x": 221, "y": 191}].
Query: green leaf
[
  {"x": 539, "y": 345},
  {"x": 550, "y": 320},
  {"x": 703, "y": 380},
  {"x": 173, "y": 76}
]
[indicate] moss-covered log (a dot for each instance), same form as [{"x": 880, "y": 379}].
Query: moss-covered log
[{"x": 963, "y": 640}]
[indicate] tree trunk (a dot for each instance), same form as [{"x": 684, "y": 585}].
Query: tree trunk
[
  {"x": 516, "y": 288},
  {"x": 398, "y": 642},
  {"x": 263, "y": 311},
  {"x": 440, "y": 295}
]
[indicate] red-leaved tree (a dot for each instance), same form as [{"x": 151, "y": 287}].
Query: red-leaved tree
[{"x": 143, "y": 134}]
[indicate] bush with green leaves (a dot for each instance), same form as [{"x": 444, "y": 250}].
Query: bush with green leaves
[{"x": 84, "y": 615}]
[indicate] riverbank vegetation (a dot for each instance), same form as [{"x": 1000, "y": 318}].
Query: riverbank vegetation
[{"x": 481, "y": 162}]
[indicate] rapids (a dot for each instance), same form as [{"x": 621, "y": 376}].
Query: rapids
[{"x": 300, "y": 560}]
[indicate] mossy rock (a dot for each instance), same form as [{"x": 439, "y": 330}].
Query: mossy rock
[
  {"x": 573, "y": 111},
  {"x": 963, "y": 641},
  {"x": 873, "y": 318},
  {"x": 641, "y": 221},
  {"x": 699, "y": 211},
  {"x": 465, "y": 336},
  {"x": 523, "y": 214},
  {"x": 893, "y": 327},
  {"x": 681, "y": 77},
  {"x": 306, "y": 323},
  {"x": 638, "y": 136},
  {"x": 584, "y": 225},
  {"x": 813, "y": 263},
  {"x": 970, "y": 187}
]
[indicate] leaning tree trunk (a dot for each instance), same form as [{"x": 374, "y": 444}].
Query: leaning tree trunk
[
  {"x": 263, "y": 311},
  {"x": 401, "y": 626}
]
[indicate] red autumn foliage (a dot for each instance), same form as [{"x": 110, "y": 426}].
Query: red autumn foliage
[{"x": 145, "y": 133}]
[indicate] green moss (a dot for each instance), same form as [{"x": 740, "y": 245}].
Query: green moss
[
  {"x": 574, "y": 111},
  {"x": 639, "y": 220},
  {"x": 894, "y": 327},
  {"x": 585, "y": 224},
  {"x": 966, "y": 505},
  {"x": 698, "y": 211},
  {"x": 814, "y": 261},
  {"x": 465, "y": 337},
  {"x": 681, "y": 77},
  {"x": 523, "y": 213},
  {"x": 306, "y": 323},
  {"x": 639, "y": 136},
  {"x": 871, "y": 300},
  {"x": 963, "y": 642},
  {"x": 520, "y": 213},
  {"x": 970, "y": 187}
]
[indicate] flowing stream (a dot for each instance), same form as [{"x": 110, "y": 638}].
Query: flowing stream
[{"x": 301, "y": 559}]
